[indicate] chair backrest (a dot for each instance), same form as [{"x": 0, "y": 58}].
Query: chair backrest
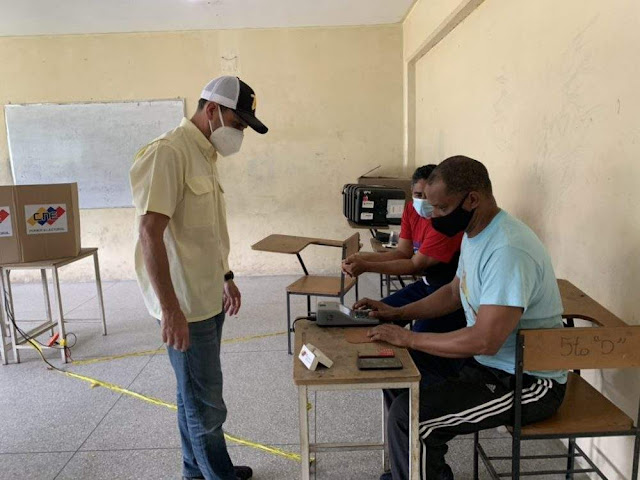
[
  {"x": 580, "y": 348},
  {"x": 350, "y": 246},
  {"x": 578, "y": 304}
]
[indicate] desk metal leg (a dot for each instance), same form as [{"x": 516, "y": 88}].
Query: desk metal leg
[
  {"x": 6, "y": 279},
  {"x": 3, "y": 312},
  {"x": 385, "y": 452},
  {"x": 289, "y": 323},
  {"x": 96, "y": 265},
  {"x": 61, "y": 329},
  {"x": 47, "y": 300},
  {"x": 414, "y": 438},
  {"x": 3, "y": 331},
  {"x": 304, "y": 432},
  {"x": 388, "y": 278}
]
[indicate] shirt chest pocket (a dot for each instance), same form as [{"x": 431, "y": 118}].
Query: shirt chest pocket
[{"x": 199, "y": 205}]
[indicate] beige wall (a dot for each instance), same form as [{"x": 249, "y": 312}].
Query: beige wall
[
  {"x": 545, "y": 93},
  {"x": 332, "y": 98}
]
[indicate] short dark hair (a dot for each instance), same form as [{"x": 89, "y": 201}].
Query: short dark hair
[
  {"x": 422, "y": 173},
  {"x": 462, "y": 174}
]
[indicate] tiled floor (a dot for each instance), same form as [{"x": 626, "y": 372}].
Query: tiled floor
[{"x": 56, "y": 427}]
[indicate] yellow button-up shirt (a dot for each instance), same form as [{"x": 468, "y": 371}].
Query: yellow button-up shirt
[{"x": 176, "y": 175}]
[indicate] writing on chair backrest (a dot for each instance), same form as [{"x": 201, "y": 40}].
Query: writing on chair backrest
[{"x": 581, "y": 348}]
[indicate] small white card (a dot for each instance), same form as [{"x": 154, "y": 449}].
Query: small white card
[
  {"x": 367, "y": 204},
  {"x": 6, "y": 230},
  {"x": 311, "y": 357},
  {"x": 366, "y": 216},
  {"x": 308, "y": 358},
  {"x": 42, "y": 219}
]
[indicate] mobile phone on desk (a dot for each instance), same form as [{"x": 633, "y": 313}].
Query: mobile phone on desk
[{"x": 389, "y": 363}]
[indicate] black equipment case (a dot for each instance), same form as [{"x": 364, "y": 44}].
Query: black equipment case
[{"x": 373, "y": 205}]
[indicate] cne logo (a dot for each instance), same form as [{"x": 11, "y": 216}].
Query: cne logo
[
  {"x": 47, "y": 216},
  {"x": 6, "y": 229}
]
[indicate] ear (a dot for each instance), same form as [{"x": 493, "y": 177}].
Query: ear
[
  {"x": 473, "y": 200},
  {"x": 210, "y": 110}
]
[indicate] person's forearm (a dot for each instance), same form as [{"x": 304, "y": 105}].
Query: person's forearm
[
  {"x": 376, "y": 257},
  {"x": 156, "y": 262},
  {"x": 461, "y": 343},
  {"x": 439, "y": 303},
  {"x": 393, "y": 267}
]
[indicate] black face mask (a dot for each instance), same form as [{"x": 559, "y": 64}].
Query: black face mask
[{"x": 455, "y": 222}]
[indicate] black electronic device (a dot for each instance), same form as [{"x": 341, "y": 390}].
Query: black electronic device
[{"x": 372, "y": 205}]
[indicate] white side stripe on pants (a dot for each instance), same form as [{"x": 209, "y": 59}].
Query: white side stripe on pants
[
  {"x": 485, "y": 410},
  {"x": 478, "y": 413}
]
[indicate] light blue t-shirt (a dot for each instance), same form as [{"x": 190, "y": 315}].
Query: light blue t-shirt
[{"x": 506, "y": 264}]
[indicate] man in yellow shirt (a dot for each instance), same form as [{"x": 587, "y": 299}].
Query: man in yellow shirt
[{"x": 181, "y": 258}]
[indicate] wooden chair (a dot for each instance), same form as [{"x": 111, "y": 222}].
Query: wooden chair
[
  {"x": 323, "y": 286},
  {"x": 585, "y": 412}
]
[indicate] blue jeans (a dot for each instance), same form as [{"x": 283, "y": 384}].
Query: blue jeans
[{"x": 201, "y": 409}]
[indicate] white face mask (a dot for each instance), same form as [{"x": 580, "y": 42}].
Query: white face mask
[
  {"x": 423, "y": 207},
  {"x": 226, "y": 140}
]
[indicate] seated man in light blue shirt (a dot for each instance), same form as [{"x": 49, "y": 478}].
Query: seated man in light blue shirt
[{"x": 504, "y": 282}]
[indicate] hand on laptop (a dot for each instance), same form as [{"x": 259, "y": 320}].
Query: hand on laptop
[{"x": 380, "y": 310}]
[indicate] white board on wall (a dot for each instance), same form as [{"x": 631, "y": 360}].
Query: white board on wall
[{"x": 92, "y": 144}]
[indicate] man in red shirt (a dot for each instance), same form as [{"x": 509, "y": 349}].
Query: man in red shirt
[{"x": 421, "y": 251}]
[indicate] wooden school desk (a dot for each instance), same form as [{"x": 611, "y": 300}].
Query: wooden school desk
[
  {"x": 292, "y": 245},
  {"x": 344, "y": 375}
]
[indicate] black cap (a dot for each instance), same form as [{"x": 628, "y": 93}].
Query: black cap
[
  {"x": 233, "y": 93},
  {"x": 246, "y": 108}
]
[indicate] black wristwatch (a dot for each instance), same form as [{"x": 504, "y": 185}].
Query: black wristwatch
[{"x": 228, "y": 276}]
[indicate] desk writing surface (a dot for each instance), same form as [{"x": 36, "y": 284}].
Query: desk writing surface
[
  {"x": 291, "y": 244},
  {"x": 332, "y": 343},
  {"x": 576, "y": 302},
  {"x": 59, "y": 262}
]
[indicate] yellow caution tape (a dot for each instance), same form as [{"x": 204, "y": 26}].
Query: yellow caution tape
[
  {"x": 110, "y": 386},
  {"x": 156, "y": 401},
  {"x": 145, "y": 353},
  {"x": 252, "y": 337},
  {"x": 265, "y": 448}
]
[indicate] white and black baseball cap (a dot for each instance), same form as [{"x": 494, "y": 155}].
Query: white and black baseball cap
[{"x": 233, "y": 93}]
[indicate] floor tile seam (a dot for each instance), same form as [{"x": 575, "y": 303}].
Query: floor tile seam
[
  {"x": 65, "y": 313},
  {"x": 230, "y": 446},
  {"x": 88, "y": 450},
  {"x": 94, "y": 297},
  {"x": 244, "y": 352},
  {"x": 36, "y": 452},
  {"x": 100, "y": 422}
]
